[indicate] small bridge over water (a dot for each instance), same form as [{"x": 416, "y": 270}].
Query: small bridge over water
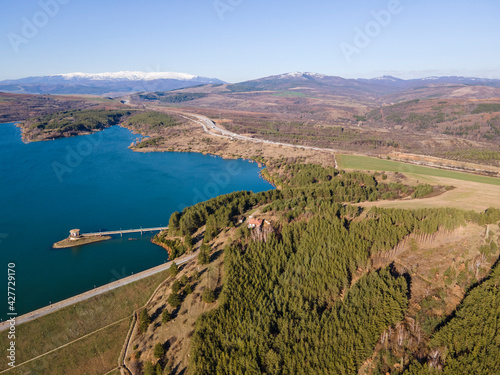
[{"x": 122, "y": 232}]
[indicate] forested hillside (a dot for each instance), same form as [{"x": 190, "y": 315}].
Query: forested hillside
[
  {"x": 469, "y": 343},
  {"x": 281, "y": 310},
  {"x": 71, "y": 123},
  {"x": 303, "y": 294},
  {"x": 291, "y": 305}
]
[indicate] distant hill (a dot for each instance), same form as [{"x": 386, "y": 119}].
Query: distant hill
[
  {"x": 385, "y": 88},
  {"x": 104, "y": 83},
  {"x": 451, "y": 117},
  {"x": 333, "y": 85}
]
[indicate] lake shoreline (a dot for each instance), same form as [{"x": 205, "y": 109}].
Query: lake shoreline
[
  {"x": 68, "y": 242},
  {"x": 96, "y": 183}
]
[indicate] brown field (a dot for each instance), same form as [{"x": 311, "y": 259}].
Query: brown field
[
  {"x": 466, "y": 195},
  {"x": 443, "y": 122}
]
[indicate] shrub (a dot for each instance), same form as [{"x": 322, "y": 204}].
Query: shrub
[
  {"x": 174, "y": 300},
  {"x": 165, "y": 316},
  {"x": 159, "y": 351},
  {"x": 174, "y": 269},
  {"x": 144, "y": 321},
  {"x": 176, "y": 286},
  {"x": 208, "y": 295},
  {"x": 188, "y": 289}
]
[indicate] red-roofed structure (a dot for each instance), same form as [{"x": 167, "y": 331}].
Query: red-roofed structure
[{"x": 252, "y": 223}]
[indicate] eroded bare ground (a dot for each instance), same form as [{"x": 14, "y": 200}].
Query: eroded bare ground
[{"x": 440, "y": 269}]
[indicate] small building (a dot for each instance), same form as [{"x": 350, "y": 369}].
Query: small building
[
  {"x": 255, "y": 223},
  {"x": 74, "y": 234}
]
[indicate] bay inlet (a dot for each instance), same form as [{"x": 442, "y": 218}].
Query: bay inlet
[{"x": 95, "y": 183}]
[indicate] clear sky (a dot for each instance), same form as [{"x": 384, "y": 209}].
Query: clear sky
[{"x": 237, "y": 40}]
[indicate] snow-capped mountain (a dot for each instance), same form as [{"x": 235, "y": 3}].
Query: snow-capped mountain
[
  {"x": 128, "y": 76},
  {"x": 302, "y": 75},
  {"x": 359, "y": 88},
  {"x": 105, "y": 83}
]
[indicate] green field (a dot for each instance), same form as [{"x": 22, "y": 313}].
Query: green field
[{"x": 374, "y": 164}]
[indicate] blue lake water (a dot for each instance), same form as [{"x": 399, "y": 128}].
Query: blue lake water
[{"x": 93, "y": 183}]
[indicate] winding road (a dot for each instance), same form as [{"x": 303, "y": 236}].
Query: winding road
[{"x": 211, "y": 128}]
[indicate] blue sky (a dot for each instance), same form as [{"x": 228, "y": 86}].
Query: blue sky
[{"x": 246, "y": 39}]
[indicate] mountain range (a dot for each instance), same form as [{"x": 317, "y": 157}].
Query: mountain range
[
  {"x": 133, "y": 81},
  {"x": 104, "y": 83},
  {"x": 374, "y": 87}
]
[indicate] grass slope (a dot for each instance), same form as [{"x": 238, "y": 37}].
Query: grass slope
[
  {"x": 95, "y": 354},
  {"x": 52, "y": 331}
]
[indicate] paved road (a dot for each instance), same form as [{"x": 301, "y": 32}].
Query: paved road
[{"x": 92, "y": 293}]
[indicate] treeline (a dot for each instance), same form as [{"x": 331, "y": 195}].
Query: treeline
[
  {"x": 79, "y": 120},
  {"x": 184, "y": 97},
  {"x": 175, "y": 247},
  {"x": 486, "y": 108},
  {"x": 152, "y": 119},
  {"x": 469, "y": 343},
  {"x": 327, "y": 182},
  {"x": 307, "y": 187},
  {"x": 217, "y": 213},
  {"x": 474, "y": 155},
  {"x": 221, "y": 212},
  {"x": 150, "y": 142}
]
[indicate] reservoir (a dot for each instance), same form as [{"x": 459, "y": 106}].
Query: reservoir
[{"x": 93, "y": 183}]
